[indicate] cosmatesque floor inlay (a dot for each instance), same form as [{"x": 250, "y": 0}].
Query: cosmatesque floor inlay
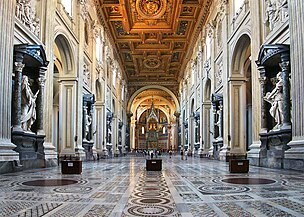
[{"x": 121, "y": 187}]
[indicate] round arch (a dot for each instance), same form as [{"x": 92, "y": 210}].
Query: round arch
[
  {"x": 192, "y": 106},
  {"x": 241, "y": 51},
  {"x": 207, "y": 90},
  {"x": 133, "y": 107},
  {"x": 240, "y": 104},
  {"x": 160, "y": 108},
  {"x": 65, "y": 52},
  {"x": 153, "y": 87}
]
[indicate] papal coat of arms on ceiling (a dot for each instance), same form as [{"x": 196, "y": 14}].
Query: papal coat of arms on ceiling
[{"x": 151, "y": 9}]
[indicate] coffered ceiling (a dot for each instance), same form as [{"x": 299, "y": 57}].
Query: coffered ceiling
[{"x": 153, "y": 38}]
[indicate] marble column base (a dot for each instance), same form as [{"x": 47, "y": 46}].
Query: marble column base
[
  {"x": 256, "y": 153},
  {"x": 294, "y": 157},
  {"x": 105, "y": 153},
  {"x": 88, "y": 149},
  {"x": 94, "y": 152},
  {"x": 203, "y": 153},
  {"x": 224, "y": 153},
  {"x": 80, "y": 152},
  {"x": 210, "y": 152},
  {"x": 49, "y": 151},
  {"x": 296, "y": 150},
  {"x": 6, "y": 151}
]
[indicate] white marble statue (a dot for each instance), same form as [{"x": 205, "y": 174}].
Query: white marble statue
[
  {"x": 87, "y": 125},
  {"x": 28, "y": 105},
  {"x": 275, "y": 98}
]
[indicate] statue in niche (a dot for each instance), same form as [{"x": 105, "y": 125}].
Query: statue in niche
[
  {"x": 88, "y": 123},
  {"x": 98, "y": 86},
  {"x": 28, "y": 105},
  {"x": 275, "y": 98}
]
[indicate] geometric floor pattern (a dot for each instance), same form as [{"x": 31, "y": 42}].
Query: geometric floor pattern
[{"x": 122, "y": 187}]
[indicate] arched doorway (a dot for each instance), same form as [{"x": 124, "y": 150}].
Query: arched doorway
[
  {"x": 64, "y": 98},
  {"x": 165, "y": 109},
  {"x": 240, "y": 94}
]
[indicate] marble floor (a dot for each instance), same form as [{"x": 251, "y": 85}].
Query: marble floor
[{"x": 122, "y": 187}]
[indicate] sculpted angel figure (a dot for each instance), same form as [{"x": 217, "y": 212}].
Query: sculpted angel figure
[{"x": 28, "y": 105}]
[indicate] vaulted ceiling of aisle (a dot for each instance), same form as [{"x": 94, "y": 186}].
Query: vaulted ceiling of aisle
[{"x": 153, "y": 38}]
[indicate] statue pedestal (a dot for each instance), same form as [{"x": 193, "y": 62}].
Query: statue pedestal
[
  {"x": 217, "y": 145},
  {"x": 30, "y": 148},
  {"x": 109, "y": 148},
  {"x": 275, "y": 142},
  {"x": 88, "y": 149}
]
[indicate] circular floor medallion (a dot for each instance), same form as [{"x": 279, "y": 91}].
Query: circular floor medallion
[
  {"x": 150, "y": 211},
  {"x": 150, "y": 189},
  {"x": 50, "y": 182},
  {"x": 150, "y": 201},
  {"x": 151, "y": 194},
  {"x": 248, "y": 181},
  {"x": 222, "y": 189},
  {"x": 73, "y": 189}
]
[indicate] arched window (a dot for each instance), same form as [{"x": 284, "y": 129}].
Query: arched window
[{"x": 67, "y": 4}]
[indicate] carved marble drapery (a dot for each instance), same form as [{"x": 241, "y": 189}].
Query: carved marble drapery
[
  {"x": 217, "y": 105},
  {"x": 272, "y": 59},
  {"x": 29, "y": 60},
  {"x": 88, "y": 110}
]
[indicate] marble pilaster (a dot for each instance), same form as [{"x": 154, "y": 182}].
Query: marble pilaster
[
  {"x": 47, "y": 20},
  {"x": 295, "y": 155},
  {"x": 206, "y": 128},
  {"x": 7, "y": 155},
  {"x": 115, "y": 136},
  {"x": 133, "y": 131},
  {"x": 99, "y": 127},
  {"x": 257, "y": 151}
]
